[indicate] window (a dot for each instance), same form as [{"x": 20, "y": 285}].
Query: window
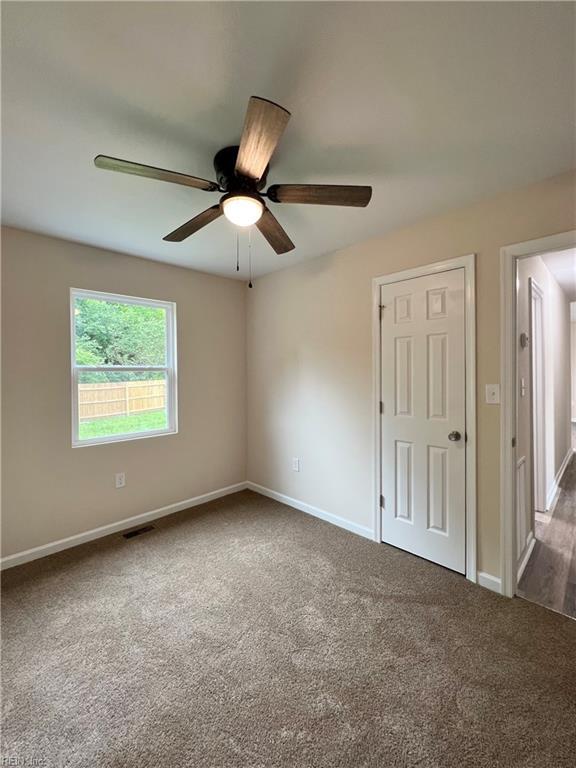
[{"x": 123, "y": 367}]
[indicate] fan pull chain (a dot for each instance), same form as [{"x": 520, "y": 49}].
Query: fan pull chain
[
  {"x": 250, "y": 257},
  {"x": 237, "y": 251}
]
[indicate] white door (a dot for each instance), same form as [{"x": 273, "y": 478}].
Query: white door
[
  {"x": 423, "y": 417},
  {"x": 538, "y": 395}
]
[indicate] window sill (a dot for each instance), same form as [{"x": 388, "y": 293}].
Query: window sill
[{"x": 122, "y": 438}]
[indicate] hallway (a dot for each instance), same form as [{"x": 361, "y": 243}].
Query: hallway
[{"x": 550, "y": 576}]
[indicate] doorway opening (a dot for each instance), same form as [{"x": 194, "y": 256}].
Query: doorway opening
[{"x": 543, "y": 552}]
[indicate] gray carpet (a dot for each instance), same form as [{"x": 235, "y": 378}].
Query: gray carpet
[{"x": 244, "y": 633}]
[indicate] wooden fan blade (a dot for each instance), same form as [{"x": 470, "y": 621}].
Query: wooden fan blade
[
  {"x": 149, "y": 172},
  {"x": 204, "y": 218},
  {"x": 320, "y": 194},
  {"x": 270, "y": 227},
  {"x": 264, "y": 124}
]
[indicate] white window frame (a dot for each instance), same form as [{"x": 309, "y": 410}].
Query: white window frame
[{"x": 169, "y": 368}]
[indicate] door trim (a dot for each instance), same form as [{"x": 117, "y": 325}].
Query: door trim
[
  {"x": 509, "y": 255},
  {"x": 468, "y": 264},
  {"x": 537, "y": 398}
]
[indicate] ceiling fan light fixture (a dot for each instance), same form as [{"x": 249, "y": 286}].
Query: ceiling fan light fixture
[
  {"x": 242, "y": 209},
  {"x": 241, "y": 173}
]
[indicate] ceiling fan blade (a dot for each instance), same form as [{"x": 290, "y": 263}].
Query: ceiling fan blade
[
  {"x": 148, "y": 171},
  {"x": 264, "y": 124},
  {"x": 204, "y": 218},
  {"x": 320, "y": 194},
  {"x": 273, "y": 232}
]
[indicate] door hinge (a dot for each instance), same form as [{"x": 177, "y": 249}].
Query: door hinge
[
  {"x": 513, "y": 442},
  {"x": 380, "y": 308},
  {"x": 382, "y": 501},
  {"x": 381, "y": 407}
]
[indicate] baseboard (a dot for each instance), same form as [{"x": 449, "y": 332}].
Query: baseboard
[
  {"x": 131, "y": 522},
  {"x": 554, "y": 490},
  {"x": 493, "y": 583},
  {"x": 105, "y": 530},
  {"x": 527, "y": 553},
  {"x": 341, "y": 522}
]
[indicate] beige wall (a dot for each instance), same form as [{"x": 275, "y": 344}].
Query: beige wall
[
  {"x": 310, "y": 354},
  {"x": 573, "y": 359},
  {"x": 557, "y": 368},
  {"x": 52, "y": 490},
  {"x": 559, "y": 323},
  {"x": 304, "y": 371}
]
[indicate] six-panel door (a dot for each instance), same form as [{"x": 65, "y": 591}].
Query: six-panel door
[{"x": 423, "y": 421}]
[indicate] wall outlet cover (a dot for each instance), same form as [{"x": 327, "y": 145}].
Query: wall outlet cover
[{"x": 493, "y": 394}]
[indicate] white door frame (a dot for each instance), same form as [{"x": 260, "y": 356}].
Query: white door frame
[
  {"x": 508, "y": 258},
  {"x": 537, "y": 396},
  {"x": 468, "y": 263}
]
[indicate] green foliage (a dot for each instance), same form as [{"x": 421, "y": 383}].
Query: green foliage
[
  {"x": 111, "y": 333},
  {"x": 87, "y": 352},
  {"x": 120, "y": 425}
]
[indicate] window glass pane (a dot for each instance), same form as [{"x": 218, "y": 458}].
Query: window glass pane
[
  {"x": 121, "y": 403},
  {"x": 112, "y": 333}
]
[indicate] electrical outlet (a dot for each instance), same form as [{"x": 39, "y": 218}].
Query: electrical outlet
[
  {"x": 120, "y": 479},
  {"x": 296, "y": 465},
  {"x": 493, "y": 394}
]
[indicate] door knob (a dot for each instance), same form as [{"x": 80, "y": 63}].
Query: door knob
[{"x": 454, "y": 436}]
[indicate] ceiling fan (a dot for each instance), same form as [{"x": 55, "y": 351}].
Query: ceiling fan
[{"x": 241, "y": 172}]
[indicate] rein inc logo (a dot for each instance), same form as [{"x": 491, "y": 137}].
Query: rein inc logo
[{"x": 20, "y": 761}]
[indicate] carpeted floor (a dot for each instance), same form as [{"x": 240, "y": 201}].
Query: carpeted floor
[{"x": 247, "y": 634}]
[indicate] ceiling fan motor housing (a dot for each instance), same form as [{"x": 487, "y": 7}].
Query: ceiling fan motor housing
[{"x": 227, "y": 178}]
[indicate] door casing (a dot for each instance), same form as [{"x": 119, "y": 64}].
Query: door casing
[
  {"x": 537, "y": 396},
  {"x": 509, "y": 255},
  {"x": 468, "y": 263}
]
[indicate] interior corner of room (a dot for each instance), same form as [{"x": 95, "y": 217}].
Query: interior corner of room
[{"x": 262, "y": 380}]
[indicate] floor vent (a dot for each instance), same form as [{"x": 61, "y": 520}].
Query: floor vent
[{"x": 138, "y": 531}]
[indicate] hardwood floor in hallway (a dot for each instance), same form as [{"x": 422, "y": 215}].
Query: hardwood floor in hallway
[{"x": 550, "y": 576}]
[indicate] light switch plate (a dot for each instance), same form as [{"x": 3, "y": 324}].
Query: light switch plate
[{"x": 493, "y": 394}]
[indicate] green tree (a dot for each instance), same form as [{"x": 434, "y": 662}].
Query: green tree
[{"x": 111, "y": 333}]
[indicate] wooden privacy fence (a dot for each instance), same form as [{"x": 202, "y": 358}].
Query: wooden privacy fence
[{"x": 98, "y": 401}]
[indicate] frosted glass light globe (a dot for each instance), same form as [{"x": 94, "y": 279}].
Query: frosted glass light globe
[{"x": 242, "y": 210}]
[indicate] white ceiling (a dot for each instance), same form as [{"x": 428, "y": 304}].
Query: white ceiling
[
  {"x": 562, "y": 264},
  {"x": 435, "y": 105}
]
